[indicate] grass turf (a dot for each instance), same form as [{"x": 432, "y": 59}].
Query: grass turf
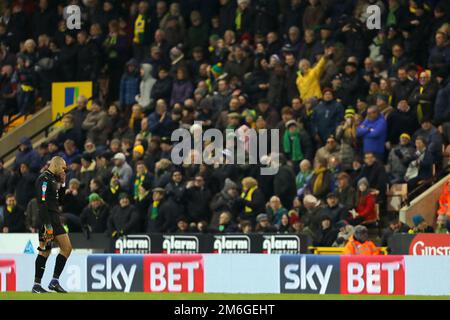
[{"x": 202, "y": 296}]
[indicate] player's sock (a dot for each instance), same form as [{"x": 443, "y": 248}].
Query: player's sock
[
  {"x": 39, "y": 268},
  {"x": 59, "y": 266}
]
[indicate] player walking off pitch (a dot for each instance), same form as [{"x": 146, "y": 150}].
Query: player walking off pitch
[{"x": 50, "y": 192}]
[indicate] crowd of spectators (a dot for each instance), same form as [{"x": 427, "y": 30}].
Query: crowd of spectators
[{"x": 357, "y": 110}]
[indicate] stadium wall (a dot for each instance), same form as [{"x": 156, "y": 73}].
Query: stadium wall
[{"x": 238, "y": 273}]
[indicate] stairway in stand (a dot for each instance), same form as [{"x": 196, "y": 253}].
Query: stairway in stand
[{"x": 18, "y": 120}]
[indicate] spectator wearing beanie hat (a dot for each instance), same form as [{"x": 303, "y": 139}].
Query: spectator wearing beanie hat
[
  {"x": 94, "y": 217},
  {"x": 399, "y": 158},
  {"x": 420, "y": 225}
]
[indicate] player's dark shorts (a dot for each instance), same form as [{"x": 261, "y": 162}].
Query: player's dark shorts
[{"x": 57, "y": 226}]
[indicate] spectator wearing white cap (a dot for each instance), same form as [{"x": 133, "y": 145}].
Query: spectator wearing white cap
[{"x": 122, "y": 170}]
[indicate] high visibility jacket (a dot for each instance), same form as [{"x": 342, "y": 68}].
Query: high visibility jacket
[
  {"x": 444, "y": 200},
  {"x": 308, "y": 84},
  {"x": 367, "y": 248}
]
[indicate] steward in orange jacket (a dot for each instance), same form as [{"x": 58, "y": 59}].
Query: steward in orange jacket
[
  {"x": 444, "y": 200},
  {"x": 359, "y": 243}
]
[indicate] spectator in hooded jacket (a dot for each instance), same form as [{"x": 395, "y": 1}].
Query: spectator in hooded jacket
[
  {"x": 129, "y": 85},
  {"x": 14, "y": 218},
  {"x": 26, "y": 155},
  {"x": 373, "y": 131},
  {"x": 145, "y": 87}
]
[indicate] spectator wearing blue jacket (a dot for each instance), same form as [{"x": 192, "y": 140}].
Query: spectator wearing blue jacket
[
  {"x": 27, "y": 155},
  {"x": 326, "y": 116},
  {"x": 129, "y": 85},
  {"x": 373, "y": 131},
  {"x": 159, "y": 121}
]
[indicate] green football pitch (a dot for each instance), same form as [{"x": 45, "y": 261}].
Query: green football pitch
[{"x": 202, "y": 296}]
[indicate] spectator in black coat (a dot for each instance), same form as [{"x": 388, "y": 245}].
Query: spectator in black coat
[
  {"x": 14, "y": 218},
  {"x": 404, "y": 87},
  {"x": 373, "y": 170},
  {"x": 163, "y": 213},
  {"x": 226, "y": 15},
  {"x": 352, "y": 85},
  {"x": 226, "y": 224},
  {"x": 124, "y": 218},
  {"x": 67, "y": 59},
  {"x": 197, "y": 198},
  {"x": 395, "y": 227},
  {"x": 176, "y": 190},
  {"x": 441, "y": 110},
  {"x": 433, "y": 139},
  {"x": 404, "y": 115},
  {"x": 5, "y": 175},
  {"x": 22, "y": 185},
  {"x": 73, "y": 204},
  {"x": 162, "y": 89},
  {"x": 284, "y": 184},
  {"x": 87, "y": 58},
  {"x": 327, "y": 234},
  {"x": 44, "y": 20},
  {"x": 94, "y": 217},
  {"x": 421, "y": 166},
  {"x": 225, "y": 200},
  {"x": 334, "y": 210}
]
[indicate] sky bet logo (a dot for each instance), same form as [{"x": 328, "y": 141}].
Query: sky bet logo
[
  {"x": 309, "y": 274},
  {"x": 115, "y": 273}
]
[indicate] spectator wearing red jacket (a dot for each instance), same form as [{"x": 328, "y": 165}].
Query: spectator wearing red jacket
[{"x": 364, "y": 212}]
